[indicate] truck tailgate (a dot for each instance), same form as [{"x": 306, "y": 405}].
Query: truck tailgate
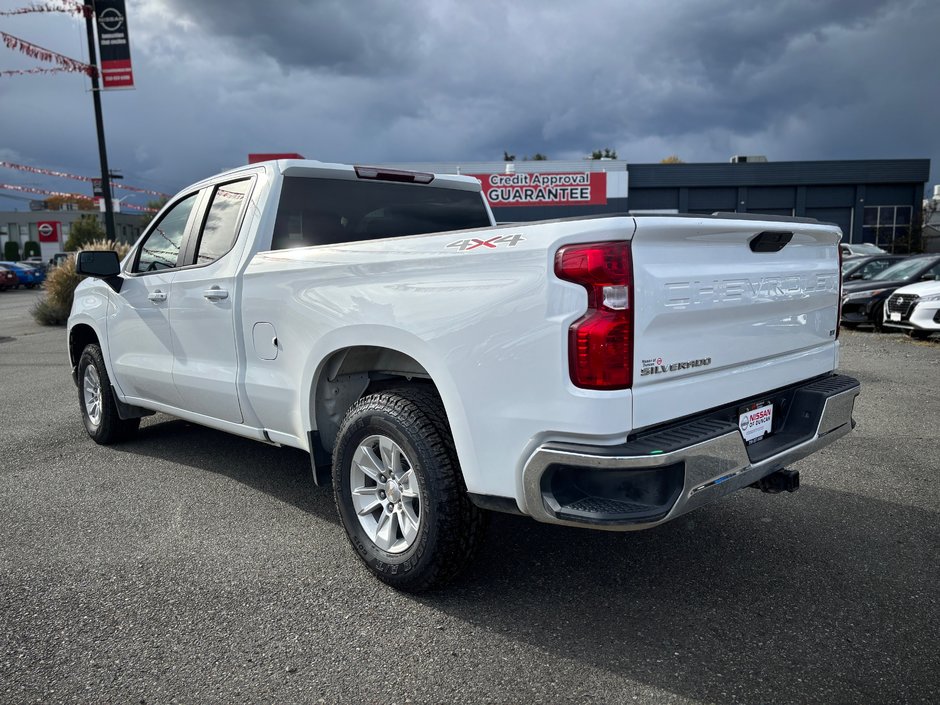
[{"x": 716, "y": 321}]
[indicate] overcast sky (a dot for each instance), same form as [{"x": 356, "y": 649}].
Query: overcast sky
[{"x": 454, "y": 80}]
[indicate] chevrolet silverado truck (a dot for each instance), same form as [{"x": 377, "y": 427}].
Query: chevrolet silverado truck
[{"x": 608, "y": 372}]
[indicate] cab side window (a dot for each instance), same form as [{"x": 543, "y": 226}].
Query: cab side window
[
  {"x": 221, "y": 226},
  {"x": 161, "y": 249}
]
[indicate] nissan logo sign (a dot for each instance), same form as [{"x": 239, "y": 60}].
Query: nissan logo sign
[
  {"x": 46, "y": 229},
  {"x": 111, "y": 20}
]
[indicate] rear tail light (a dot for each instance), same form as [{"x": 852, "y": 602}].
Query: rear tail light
[{"x": 600, "y": 343}]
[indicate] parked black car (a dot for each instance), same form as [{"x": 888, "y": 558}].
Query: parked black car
[
  {"x": 863, "y": 301},
  {"x": 863, "y": 268}
]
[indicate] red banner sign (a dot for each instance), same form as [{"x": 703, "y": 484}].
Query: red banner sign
[
  {"x": 48, "y": 230},
  {"x": 114, "y": 45},
  {"x": 537, "y": 189}
]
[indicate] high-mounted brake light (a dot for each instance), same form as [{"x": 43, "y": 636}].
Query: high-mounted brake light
[
  {"x": 600, "y": 343},
  {"x": 379, "y": 174}
]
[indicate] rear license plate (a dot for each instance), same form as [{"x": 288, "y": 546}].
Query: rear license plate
[
  {"x": 894, "y": 316},
  {"x": 755, "y": 421}
]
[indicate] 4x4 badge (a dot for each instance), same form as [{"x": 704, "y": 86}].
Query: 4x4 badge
[{"x": 490, "y": 243}]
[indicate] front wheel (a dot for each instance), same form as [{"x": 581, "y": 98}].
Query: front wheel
[
  {"x": 399, "y": 491},
  {"x": 877, "y": 318},
  {"x": 919, "y": 334},
  {"x": 99, "y": 412}
]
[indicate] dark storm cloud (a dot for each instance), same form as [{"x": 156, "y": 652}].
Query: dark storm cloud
[
  {"x": 349, "y": 37},
  {"x": 449, "y": 80}
]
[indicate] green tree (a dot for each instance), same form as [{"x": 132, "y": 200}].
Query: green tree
[
  {"x": 84, "y": 230},
  {"x": 606, "y": 153},
  {"x": 507, "y": 157},
  {"x": 31, "y": 249},
  {"x": 11, "y": 251}
]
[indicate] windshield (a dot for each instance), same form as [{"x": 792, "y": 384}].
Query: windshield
[
  {"x": 901, "y": 271},
  {"x": 865, "y": 249}
]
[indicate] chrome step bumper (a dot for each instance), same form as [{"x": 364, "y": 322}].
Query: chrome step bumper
[{"x": 664, "y": 474}]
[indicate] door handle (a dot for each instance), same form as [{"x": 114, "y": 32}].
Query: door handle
[
  {"x": 215, "y": 294},
  {"x": 156, "y": 296}
]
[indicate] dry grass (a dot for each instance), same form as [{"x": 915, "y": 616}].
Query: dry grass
[{"x": 53, "y": 309}]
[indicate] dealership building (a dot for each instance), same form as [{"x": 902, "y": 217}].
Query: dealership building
[
  {"x": 51, "y": 228},
  {"x": 871, "y": 200}
]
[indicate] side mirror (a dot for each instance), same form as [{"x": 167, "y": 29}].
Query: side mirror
[
  {"x": 101, "y": 265},
  {"x": 856, "y": 276},
  {"x": 98, "y": 264}
]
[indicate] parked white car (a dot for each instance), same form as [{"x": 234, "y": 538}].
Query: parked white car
[
  {"x": 915, "y": 308},
  {"x": 860, "y": 249}
]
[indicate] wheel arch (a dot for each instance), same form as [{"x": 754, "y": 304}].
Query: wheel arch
[
  {"x": 348, "y": 374},
  {"x": 81, "y": 335}
]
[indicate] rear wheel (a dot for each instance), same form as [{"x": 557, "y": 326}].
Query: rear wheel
[
  {"x": 399, "y": 491},
  {"x": 99, "y": 412}
]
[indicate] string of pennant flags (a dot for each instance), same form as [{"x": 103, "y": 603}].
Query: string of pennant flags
[
  {"x": 64, "y": 194},
  {"x": 39, "y": 53},
  {"x": 115, "y": 71},
  {"x": 38, "y": 69},
  {"x": 68, "y": 6},
  {"x": 78, "y": 177}
]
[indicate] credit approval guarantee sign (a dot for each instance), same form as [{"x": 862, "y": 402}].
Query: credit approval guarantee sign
[{"x": 543, "y": 189}]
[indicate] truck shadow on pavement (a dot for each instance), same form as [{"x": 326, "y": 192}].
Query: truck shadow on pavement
[
  {"x": 284, "y": 473},
  {"x": 821, "y": 596}
]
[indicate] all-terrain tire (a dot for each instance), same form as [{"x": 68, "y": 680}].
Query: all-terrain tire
[
  {"x": 96, "y": 399},
  {"x": 449, "y": 527}
]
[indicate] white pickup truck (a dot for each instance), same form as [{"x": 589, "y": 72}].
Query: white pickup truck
[{"x": 611, "y": 372}]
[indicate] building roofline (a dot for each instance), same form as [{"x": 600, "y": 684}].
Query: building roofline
[{"x": 860, "y": 171}]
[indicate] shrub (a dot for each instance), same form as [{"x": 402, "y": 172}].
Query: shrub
[
  {"x": 31, "y": 249},
  {"x": 53, "y": 309},
  {"x": 11, "y": 251}
]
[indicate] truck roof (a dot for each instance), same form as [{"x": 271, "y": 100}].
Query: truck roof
[{"x": 312, "y": 168}]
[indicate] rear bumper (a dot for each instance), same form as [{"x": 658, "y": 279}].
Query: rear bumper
[{"x": 667, "y": 472}]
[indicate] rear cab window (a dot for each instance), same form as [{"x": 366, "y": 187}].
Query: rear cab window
[
  {"x": 318, "y": 211},
  {"x": 223, "y": 216}
]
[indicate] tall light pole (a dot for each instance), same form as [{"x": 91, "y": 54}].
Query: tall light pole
[{"x": 99, "y": 121}]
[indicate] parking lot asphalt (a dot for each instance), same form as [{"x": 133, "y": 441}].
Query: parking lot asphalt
[{"x": 192, "y": 566}]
